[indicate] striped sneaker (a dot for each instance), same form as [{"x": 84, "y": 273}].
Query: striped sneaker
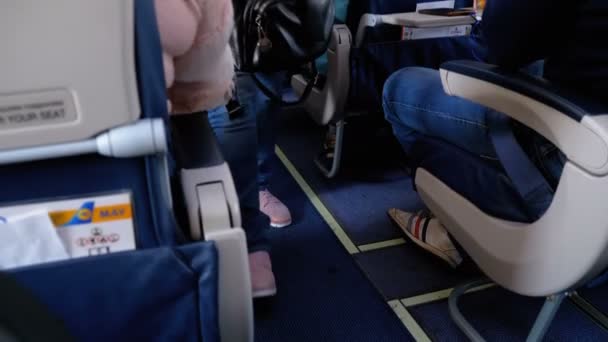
[{"x": 427, "y": 232}]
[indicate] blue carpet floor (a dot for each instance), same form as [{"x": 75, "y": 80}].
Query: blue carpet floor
[
  {"x": 597, "y": 296},
  {"x": 349, "y": 195},
  {"x": 405, "y": 271},
  {"x": 322, "y": 294},
  {"x": 358, "y": 199},
  {"x": 500, "y": 315}
]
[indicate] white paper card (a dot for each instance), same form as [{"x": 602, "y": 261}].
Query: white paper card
[{"x": 29, "y": 239}]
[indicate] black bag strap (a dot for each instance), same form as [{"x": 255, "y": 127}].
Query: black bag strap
[
  {"x": 279, "y": 99},
  {"x": 525, "y": 176}
]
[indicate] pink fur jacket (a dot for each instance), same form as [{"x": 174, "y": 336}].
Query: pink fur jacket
[{"x": 198, "y": 62}]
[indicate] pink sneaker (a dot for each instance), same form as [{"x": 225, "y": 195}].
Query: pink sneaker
[
  {"x": 273, "y": 208},
  {"x": 262, "y": 278}
]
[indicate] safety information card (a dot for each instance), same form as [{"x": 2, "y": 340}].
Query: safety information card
[{"x": 86, "y": 226}]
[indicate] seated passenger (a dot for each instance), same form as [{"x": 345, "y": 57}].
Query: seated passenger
[{"x": 518, "y": 32}]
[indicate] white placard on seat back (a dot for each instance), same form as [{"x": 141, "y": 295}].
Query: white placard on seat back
[{"x": 67, "y": 70}]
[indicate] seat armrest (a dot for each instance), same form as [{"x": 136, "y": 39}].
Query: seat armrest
[
  {"x": 207, "y": 184},
  {"x": 234, "y": 285},
  {"x": 528, "y": 258},
  {"x": 577, "y": 125},
  {"x": 214, "y": 214},
  {"x": 567, "y": 102}
]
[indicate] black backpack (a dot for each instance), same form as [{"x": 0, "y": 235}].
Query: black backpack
[{"x": 279, "y": 35}]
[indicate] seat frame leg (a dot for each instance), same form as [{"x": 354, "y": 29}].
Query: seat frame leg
[
  {"x": 337, "y": 153},
  {"x": 457, "y": 316},
  {"x": 545, "y": 317},
  {"x": 538, "y": 331}
]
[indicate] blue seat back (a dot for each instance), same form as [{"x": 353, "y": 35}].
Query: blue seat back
[
  {"x": 161, "y": 294},
  {"x": 88, "y": 175},
  {"x": 161, "y": 291},
  {"x": 341, "y": 10}
]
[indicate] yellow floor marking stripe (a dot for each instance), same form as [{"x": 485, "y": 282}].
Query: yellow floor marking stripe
[
  {"x": 381, "y": 244},
  {"x": 408, "y": 321},
  {"x": 437, "y": 295},
  {"x": 406, "y": 318},
  {"x": 316, "y": 202},
  {"x": 590, "y": 309}
]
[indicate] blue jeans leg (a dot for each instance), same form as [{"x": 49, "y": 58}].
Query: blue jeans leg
[
  {"x": 237, "y": 138},
  {"x": 414, "y": 103},
  {"x": 256, "y": 104}
]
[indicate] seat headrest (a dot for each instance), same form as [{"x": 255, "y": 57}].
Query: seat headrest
[{"x": 67, "y": 70}]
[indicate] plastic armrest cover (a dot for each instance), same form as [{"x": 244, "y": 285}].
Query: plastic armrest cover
[
  {"x": 536, "y": 268},
  {"x": 204, "y": 172},
  {"x": 576, "y": 106},
  {"x": 577, "y": 125}
]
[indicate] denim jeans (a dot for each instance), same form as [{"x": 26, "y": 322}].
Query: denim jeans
[
  {"x": 247, "y": 141},
  {"x": 257, "y": 105},
  {"x": 237, "y": 138},
  {"x": 415, "y": 103}
]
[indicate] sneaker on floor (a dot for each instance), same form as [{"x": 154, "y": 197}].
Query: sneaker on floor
[
  {"x": 262, "y": 279},
  {"x": 427, "y": 232},
  {"x": 273, "y": 208}
]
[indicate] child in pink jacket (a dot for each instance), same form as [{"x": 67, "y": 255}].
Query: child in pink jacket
[{"x": 199, "y": 71}]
